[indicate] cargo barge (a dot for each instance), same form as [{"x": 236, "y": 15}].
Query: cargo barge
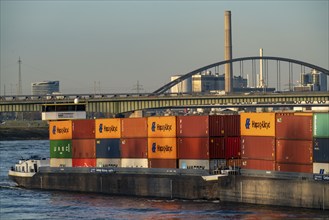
[{"x": 260, "y": 158}]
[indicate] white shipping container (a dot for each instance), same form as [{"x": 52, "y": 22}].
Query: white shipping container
[
  {"x": 321, "y": 166},
  {"x": 60, "y": 162},
  {"x": 194, "y": 164},
  {"x": 108, "y": 162},
  {"x": 135, "y": 163}
]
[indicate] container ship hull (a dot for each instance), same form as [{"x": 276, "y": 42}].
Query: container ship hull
[
  {"x": 163, "y": 183},
  {"x": 300, "y": 191}
]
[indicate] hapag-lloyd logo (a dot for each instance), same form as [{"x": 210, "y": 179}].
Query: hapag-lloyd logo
[
  {"x": 109, "y": 129},
  {"x": 160, "y": 148},
  {"x": 159, "y": 127},
  {"x": 257, "y": 124},
  {"x": 63, "y": 130}
]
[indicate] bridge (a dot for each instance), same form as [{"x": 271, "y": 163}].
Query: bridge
[{"x": 120, "y": 103}]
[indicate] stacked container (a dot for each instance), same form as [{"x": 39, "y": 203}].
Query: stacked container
[
  {"x": 108, "y": 134},
  {"x": 204, "y": 142},
  {"x": 83, "y": 143},
  {"x": 193, "y": 142},
  {"x": 321, "y": 143},
  {"x": 162, "y": 146},
  {"x": 258, "y": 141},
  {"x": 294, "y": 140},
  {"x": 134, "y": 142},
  {"x": 60, "y": 136},
  {"x": 225, "y": 138}
]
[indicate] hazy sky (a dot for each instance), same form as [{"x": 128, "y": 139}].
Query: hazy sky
[{"x": 117, "y": 43}]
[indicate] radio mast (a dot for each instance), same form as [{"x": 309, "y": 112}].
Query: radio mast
[{"x": 19, "y": 77}]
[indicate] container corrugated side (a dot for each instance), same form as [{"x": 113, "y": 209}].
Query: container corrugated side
[
  {"x": 161, "y": 126},
  {"x": 192, "y": 126},
  {"x": 259, "y": 148},
  {"x": 321, "y": 150},
  {"x": 162, "y": 148},
  {"x": 321, "y": 125},
  {"x": 134, "y": 162},
  {"x": 193, "y": 148},
  {"x": 234, "y": 163},
  {"x": 258, "y": 164},
  {"x": 108, "y": 148},
  {"x": 294, "y": 151},
  {"x": 294, "y": 127},
  {"x": 134, "y": 147},
  {"x": 108, "y": 128},
  {"x": 232, "y": 147},
  {"x": 83, "y": 162},
  {"x": 193, "y": 164},
  {"x": 162, "y": 163},
  {"x": 224, "y": 125},
  {"x": 83, "y": 129},
  {"x": 60, "y": 148},
  {"x": 60, "y": 162},
  {"x": 83, "y": 148},
  {"x": 298, "y": 168},
  {"x": 257, "y": 124},
  {"x": 317, "y": 167},
  {"x": 134, "y": 127},
  {"x": 60, "y": 130},
  {"x": 108, "y": 162},
  {"x": 216, "y": 148}
]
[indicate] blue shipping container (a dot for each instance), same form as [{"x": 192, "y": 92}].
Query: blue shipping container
[
  {"x": 321, "y": 150},
  {"x": 108, "y": 148}
]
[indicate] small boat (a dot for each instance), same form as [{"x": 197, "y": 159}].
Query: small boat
[{"x": 28, "y": 167}]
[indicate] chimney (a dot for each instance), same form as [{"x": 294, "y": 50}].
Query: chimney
[{"x": 228, "y": 52}]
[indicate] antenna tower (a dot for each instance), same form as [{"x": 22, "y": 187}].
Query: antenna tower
[{"x": 19, "y": 77}]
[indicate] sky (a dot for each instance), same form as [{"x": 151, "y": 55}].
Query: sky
[{"x": 109, "y": 46}]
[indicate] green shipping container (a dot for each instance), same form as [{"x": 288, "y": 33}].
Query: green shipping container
[
  {"x": 321, "y": 125},
  {"x": 61, "y": 149}
]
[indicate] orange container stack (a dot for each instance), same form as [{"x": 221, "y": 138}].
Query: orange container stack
[
  {"x": 258, "y": 141},
  {"x": 294, "y": 143}
]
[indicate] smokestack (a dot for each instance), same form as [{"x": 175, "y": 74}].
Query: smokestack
[{"x": 228, "y": 52}]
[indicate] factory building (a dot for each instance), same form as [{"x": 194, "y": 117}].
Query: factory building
[
  {"x": 45, "y": 87},
  {"x": 313, "y": 81},
  {"x": 206, "y": 82}
]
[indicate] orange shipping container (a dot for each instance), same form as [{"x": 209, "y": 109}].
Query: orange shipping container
[
  {"x": 108, "y": 128},
  {"x": 162, "y": 148},
  {"x": 60, "y": 130},
  {"x": 294, "y": 127},
  {"x": 134, "y": 127},
  {"x": 162, "y": 126},
  {"x": 294, "y": 151},
  {"x": 83, "y": 148},
  {"x": 258, "y": 124},
  {"x": 299, "y": 168}
]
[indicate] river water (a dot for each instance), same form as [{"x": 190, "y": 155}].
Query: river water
[{"x": 18, "y": 203}]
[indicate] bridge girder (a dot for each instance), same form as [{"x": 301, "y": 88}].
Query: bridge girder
[
  {"x": 129, "y": 104},
  {"x": 167, "y": 86}
]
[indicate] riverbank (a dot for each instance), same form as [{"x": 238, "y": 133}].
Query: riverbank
[{"x": 24, "y": 130}]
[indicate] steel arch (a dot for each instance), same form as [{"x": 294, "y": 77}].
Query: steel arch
[{"x": 182, "y": 78}]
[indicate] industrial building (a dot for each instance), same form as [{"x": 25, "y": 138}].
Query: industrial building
[
  {"x": 206, "y": 82},
  {"x": 313, "y": 81},
  {"x": 45, "y": 87}
]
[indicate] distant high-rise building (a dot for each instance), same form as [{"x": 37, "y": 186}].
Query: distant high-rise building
[{"x": 45, "y": 87}]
